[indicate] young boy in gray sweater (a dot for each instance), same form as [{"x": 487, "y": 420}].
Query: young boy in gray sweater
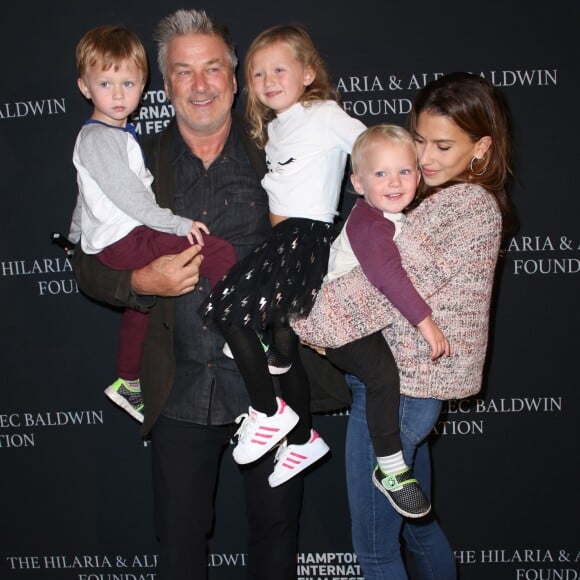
[{"x": 116, "y": 217}]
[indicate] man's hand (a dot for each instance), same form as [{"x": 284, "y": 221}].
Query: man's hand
[{"x": 169, "y": 275}]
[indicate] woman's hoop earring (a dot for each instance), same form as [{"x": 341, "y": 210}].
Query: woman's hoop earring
[{"x": 471, "y": 166}]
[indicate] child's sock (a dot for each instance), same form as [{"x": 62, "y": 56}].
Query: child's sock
[
  {"x": 133, "y": 384},
  {"x": 392, "y": 463}
]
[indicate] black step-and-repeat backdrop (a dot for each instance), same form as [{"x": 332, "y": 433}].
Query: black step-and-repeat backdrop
[{"x": 75, "y": 485}]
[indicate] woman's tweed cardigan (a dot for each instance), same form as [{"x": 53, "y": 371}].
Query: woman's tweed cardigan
[{"x": 449, "y": 246}]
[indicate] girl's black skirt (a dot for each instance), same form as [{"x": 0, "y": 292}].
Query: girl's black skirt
[{"x": 281, "y": 277}]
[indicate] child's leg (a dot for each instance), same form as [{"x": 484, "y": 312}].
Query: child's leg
[
  {"x": 249, "y": 356},
  {"x": 131, "y": 337},
  {"x": 126, "y": 391},
  {"x": 219, "y": 257},
  {"x": 370, "y": 359},
  {"x": 139, "y": 247},
  {"x": 269, "y": 418},
  {"x": 135, "y": 250},
  {"x": 294, "y": 384},
  {"x": 304, "y": 446}
]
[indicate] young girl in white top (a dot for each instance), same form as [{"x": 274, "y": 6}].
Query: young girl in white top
[{"x": 307, "y": 137}]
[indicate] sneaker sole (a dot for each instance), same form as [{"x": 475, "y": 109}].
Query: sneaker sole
[
  {"x": 395, "y": 506},
  {"x": 120, "y": 401},
  {"x": 289, "y": 474},
  {"x": 278, "y": 370}
]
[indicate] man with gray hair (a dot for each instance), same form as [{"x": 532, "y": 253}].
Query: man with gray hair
[{"x": 206, "y": 168}]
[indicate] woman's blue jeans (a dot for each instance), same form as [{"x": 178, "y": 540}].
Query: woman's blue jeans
[{"x": 376, "y": 527}]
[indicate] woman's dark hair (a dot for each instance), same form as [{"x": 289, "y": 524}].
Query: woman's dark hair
[{"x": 479, "y": 109}]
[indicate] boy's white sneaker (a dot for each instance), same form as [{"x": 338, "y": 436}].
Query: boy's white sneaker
[
  {"x": 292, "y": 459},
  {"x": 258, "y": 432}
]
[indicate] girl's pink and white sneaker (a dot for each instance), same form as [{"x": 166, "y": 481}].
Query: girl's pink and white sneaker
[
  {"x": 292, "y": 459},
  {"x": 258, "y": 432}
]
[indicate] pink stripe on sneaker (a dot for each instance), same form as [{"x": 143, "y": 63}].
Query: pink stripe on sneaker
[
  {"x": 282, "y": 404},
  {"x": 270, "y": 432},
  {"x": 298, "y": 456},
  {"x": 294, "y": 459}
]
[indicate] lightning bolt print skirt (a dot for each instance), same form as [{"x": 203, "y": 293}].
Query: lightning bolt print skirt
[{"x": 280, "y": 278}]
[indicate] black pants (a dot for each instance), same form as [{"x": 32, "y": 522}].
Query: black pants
[
  {"x": 370, "y": 359},
  {"x": 252, "y": 364},
  {"x": 186, "y": 460}
]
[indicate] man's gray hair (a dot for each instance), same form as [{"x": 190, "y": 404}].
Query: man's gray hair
[{"x": 183, "y": 23}]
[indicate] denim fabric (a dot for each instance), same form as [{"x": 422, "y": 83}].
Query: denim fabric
[{"x": 376, "y": 527}]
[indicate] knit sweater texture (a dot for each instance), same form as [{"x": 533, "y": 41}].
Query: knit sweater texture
[{"x": 449, "y": 248}]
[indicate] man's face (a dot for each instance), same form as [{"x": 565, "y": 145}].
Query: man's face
[{"x": 200, "y": 83}]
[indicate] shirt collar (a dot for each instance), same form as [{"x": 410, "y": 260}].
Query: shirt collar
[
  {"x": 233, "y": 148},
  {"x": 128, "y": 128}
]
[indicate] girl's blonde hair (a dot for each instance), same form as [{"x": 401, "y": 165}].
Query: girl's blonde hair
[
  {"x": 301, "y": 45},
  {"x": 108, "y": 46}
]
